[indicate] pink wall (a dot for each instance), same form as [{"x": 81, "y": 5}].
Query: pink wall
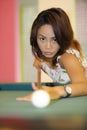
[{"x": 8, "y": 24}]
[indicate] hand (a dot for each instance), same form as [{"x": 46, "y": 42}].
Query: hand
[
  {"x": 52, "y": 91},
  {"x": 25, "y": 98},
  {"x": 28, "y": 97}
]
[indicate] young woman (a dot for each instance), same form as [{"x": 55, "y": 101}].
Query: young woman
[{"x": 58, "y": 54}]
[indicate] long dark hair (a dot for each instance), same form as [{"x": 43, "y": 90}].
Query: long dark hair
[{"x": 62, "y": 28}]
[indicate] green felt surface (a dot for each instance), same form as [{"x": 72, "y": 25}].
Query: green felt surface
[
  {"x": 75, "y": 106},
  {"x": 63, "y": 114}
]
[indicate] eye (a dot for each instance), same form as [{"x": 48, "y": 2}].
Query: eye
[
  {"x": 54, "y": 39},
  {"x": 42, "y": 39}
]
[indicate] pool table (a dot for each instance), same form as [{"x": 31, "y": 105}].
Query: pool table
[{"x": 65, "y": 113}]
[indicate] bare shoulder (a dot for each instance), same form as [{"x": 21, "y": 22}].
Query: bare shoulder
[
  {"x": 68, "y": 59},
  {"x": 73, "y": 67}
]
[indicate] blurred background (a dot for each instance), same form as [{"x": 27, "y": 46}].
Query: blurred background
[{"x": 16, "y": 18}]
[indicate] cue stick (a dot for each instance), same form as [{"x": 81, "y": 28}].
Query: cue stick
[{"x": 39, "y": 78}]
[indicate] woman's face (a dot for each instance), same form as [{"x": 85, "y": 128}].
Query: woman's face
[{"x": 47, "y": 41}]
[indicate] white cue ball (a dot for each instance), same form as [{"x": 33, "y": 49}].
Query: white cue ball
[{"x": 40, "y": 98}]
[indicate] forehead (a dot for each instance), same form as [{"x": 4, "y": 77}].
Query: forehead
[{"x": 46, "y": 30}]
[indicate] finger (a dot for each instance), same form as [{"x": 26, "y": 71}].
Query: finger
[
  {"x": 34, "y": 86},
  {"x": 26, "y": 98},
  {"x": 23, "y": 99}
]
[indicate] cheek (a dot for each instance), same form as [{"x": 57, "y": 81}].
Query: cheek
[
  {"x": 57, "y": 48},
  {"x": 41, "y": 46}
]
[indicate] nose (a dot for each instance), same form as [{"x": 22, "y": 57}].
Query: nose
[{"x": 48, "y": 45}]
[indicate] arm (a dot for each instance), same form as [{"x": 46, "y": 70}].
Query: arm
[{"x": 76, "y": 74}]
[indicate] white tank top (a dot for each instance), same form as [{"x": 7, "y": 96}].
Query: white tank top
[{"x": 60, "y": 75}]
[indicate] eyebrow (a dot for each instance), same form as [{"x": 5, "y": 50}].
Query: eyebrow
[
  {"x": 45, "y": 36},
  {"x": 41, "y": 35}
]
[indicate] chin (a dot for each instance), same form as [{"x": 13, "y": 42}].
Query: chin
[{"x": 49, "y": 57}]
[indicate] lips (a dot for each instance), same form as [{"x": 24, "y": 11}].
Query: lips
[{"x": 48, "y": 53}]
